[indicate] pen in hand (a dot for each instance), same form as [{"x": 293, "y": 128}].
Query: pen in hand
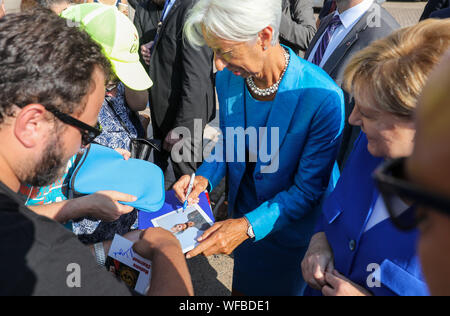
[{"x": 189, "y": 190}]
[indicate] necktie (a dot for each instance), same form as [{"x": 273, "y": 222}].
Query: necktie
[{"x": 320, "y": 51}]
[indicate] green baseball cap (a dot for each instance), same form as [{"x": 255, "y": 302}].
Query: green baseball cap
[{"x": 117, "y": 35}]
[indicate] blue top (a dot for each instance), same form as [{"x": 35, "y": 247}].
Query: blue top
[
  {"x": 57, "y": 191},
  {"x": 257, "y": 113},
  {"x": 303, "y": 133},
  {"x": 357, "y": 253}
]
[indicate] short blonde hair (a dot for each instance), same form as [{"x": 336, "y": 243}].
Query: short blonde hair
[{"x": 395, "y": 69}]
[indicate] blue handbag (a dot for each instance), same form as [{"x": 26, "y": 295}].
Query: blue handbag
[{"x": 103, "y": 169}]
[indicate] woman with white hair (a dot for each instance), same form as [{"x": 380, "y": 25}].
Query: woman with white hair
[{"x": 266, "y": 89}]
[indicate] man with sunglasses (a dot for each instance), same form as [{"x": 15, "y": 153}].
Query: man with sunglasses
[
  {"x": 423, "y": 180},
  {"x": 52, "y": 85}
]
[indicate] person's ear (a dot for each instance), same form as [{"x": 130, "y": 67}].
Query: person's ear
[
  {"x": 31, "y": 125},
  {"x": 265, "y": 37}
]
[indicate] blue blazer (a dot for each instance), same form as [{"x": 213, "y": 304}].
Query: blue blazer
[
  {"x": 346, "y": 213},
  {"x": 308, "y": 112}
]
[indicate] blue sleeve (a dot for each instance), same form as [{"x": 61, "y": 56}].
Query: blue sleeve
[
  {"x": 214, "y": 169},
  {"x": 319, "y": 225},
  {"x": 313, "y": 173}
]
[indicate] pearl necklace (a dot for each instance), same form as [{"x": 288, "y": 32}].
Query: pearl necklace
[{"x": 272, "y": 89}]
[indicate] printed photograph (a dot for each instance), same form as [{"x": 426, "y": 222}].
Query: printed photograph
[
  {"x": 187, "y": 225},
  {"x": 122, "y": 271}
]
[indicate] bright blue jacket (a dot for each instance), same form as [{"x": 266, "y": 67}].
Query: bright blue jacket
[
  {"x": 346, "y": 213},
  {"x": 309, "y": 113}
]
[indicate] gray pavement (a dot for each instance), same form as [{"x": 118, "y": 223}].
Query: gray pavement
[
  {"x": 212, "y": 276},
  {"x": 406, "y": 13}
]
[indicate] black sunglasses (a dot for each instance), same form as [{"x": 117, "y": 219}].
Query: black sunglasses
[
  {"x": 88, "y": 133},
  {"x": 393, "y": 184}
]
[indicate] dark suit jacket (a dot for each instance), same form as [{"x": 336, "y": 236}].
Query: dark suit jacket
[
  {"x": 433, "y": 6},
  {"x": 359, "y": 37},
  {"x": 441, "y": 14},
  {"x": 146, "y": 20},
  {"x": 183, "y": 76},
  {"x": 298, "y": 25}
]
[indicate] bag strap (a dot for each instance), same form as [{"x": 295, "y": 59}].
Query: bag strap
[
  {"x": 81, "y": 157},
  {"x": 109, "y": 102}
]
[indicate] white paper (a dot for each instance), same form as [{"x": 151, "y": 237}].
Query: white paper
[{"x": 122, "y": 251}]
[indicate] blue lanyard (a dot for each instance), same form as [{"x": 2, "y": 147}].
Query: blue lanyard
[{"x": 166, "y": 7}]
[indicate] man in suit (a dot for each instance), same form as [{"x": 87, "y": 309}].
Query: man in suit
[
  {"x": 146, "y": 19},
  {"x": 183, "y": 93},
  {"x": 297, "y": 27},
  {"x": 341, "y": 34}
]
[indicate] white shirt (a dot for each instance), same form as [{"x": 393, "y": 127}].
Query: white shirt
[
  {"x": 380, "y": 212},
  {"x": 348, "y": 18}
]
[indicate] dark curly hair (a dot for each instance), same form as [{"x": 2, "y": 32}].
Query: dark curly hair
[{"x": 45, "y": 60}]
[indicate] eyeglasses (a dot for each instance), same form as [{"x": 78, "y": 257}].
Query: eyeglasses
[
  {"x": 88, "y": 133},
  {"x": 393, "y": 184}
]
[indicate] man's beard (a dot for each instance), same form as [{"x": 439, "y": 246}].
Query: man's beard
[{"x": 50, "y": 167}]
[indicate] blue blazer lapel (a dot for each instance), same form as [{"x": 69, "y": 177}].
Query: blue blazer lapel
[
  {"x": 358, "y": 170},
  {"x": 283, "y": 108}
]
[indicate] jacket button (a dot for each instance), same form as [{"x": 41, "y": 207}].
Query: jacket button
[
  {"x": 352, "y": 245},
  {"x": 258, "y": 176}
]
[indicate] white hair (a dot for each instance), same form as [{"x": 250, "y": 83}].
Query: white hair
[{"x": 233, "y": 20}]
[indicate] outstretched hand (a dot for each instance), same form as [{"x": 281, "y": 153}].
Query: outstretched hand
[
  {"x": 222, "y": 238},
  {"x": 106, "y": 206}
]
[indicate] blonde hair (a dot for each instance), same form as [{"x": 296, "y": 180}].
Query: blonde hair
[{"x": 395, "y": 69}]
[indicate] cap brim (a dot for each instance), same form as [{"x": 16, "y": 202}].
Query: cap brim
[{"x": 133, "y": 75}]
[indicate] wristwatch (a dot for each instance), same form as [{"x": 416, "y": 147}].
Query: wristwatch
[
  {"x": 250, "y": 232},
  {"x": 100, "y": 254}
]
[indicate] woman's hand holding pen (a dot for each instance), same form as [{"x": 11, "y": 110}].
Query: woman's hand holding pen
[{"x": 181, "y": 187}]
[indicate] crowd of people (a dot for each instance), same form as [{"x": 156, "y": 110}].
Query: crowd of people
[{"x": 354, "y": 199}]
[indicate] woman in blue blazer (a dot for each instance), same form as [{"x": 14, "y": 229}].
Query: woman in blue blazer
[
  {"x": 278, "y": 172},
  {"x": 356, "y": 249},
  {"x": 361, "y": 255}
]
